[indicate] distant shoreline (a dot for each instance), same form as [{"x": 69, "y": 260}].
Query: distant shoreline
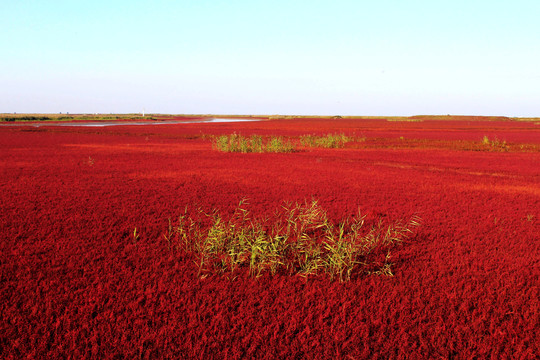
[{"x": 47, "y": 117}]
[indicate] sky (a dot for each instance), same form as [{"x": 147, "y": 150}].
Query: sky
[{"x": 339, "y": 57}]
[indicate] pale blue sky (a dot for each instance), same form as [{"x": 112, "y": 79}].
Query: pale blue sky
[{"x": 343, "y": 57}]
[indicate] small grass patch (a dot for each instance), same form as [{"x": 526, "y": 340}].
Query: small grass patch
[
  {"x": 253, "y": 143},
  {"x": 329, "y": 141},
  {"x": 278, "y": 144},
  {"x": 494, "y": 144},
  {"x": 299, "y": 239}
]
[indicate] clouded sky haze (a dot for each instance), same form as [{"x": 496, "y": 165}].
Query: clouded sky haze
[{"x": 389, "y": 57}]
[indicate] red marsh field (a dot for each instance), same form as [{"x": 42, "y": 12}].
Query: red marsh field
[{"x": 109, "y": 249}]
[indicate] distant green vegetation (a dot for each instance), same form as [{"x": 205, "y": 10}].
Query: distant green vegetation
[
  {"x": 26, "y": 118},
  {"x": 68, "y": 117}
]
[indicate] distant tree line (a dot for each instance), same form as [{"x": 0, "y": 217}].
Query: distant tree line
[
  {"x": 26, "y": 118},
  {"x": 67, "y": 117}
]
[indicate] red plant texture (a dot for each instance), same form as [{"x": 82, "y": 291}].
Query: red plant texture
[{"x": 85, "y": 271}]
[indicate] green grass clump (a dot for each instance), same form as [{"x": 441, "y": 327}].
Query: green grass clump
[
  {"x": 494, "y": 144},
  {"x": 279, "y": 144},
  {"x": 330, "y": 141},
  {"x": 299, "y": 239},
  {"x": 252, "y": 144}
]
